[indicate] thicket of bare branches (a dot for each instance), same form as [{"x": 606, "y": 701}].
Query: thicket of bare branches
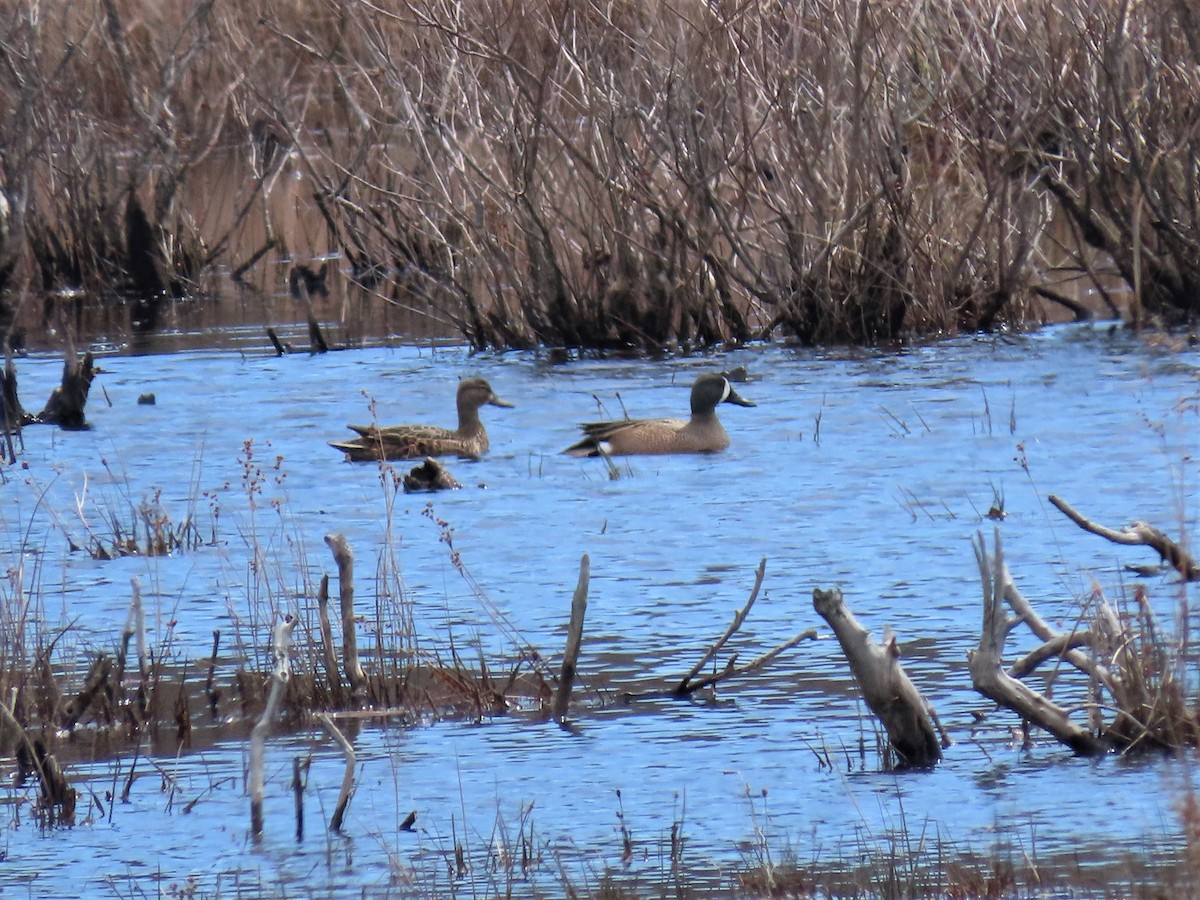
[{"x": 621, "y": 175}]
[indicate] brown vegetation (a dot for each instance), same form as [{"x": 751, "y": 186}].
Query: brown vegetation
[{"x": 647, "y": 176}]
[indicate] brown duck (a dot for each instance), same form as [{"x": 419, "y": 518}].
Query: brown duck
[
  {"x": 702, "y": 433},
  {"x": 469, "y": 440}
]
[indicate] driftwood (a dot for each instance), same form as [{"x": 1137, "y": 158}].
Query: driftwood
[
  {"x": 339, "y": 811},
  {"x": 329, "y": 651},
  {"x": 690, "y": 684},
  {"x": 887, "y": 689},
  {"x": 1137, "y": 533},
  {"x": 986, "y": 663},
  {"x": 344, "y": 558},
  {"x": 282, "y": 673},
  {"x": 574, "y": 641}
]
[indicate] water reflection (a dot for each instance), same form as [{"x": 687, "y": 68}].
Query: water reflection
[{"x": 864, "y": 470}]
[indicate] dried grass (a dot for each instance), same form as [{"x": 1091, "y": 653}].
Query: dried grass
[{"x": 633, "y": 176}]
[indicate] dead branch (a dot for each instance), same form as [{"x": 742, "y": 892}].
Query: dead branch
[
  {"x": 738, "y": 618},
  {"x": 887, "y": 689},
  {"x": 688, "y": 685},
  {"x": 339, "y": 812},
  {"x": 733, "y": 671},
  {"x": 986, "y": 663},
  {"x": 574, "y": 641},
  {"x": 1137, "y": 533},
  {"x": 344, "y": 558},
  {"x": 1026, "y": 613},
  {"x": 280, "y": 643},
  {"x": 1055, "y": 649},
  {"x": 328, "y": 650}
]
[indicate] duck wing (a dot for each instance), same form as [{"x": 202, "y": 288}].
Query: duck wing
[
  {"x": 404, "y": 442},
  {"x": 624, "y": 436}
]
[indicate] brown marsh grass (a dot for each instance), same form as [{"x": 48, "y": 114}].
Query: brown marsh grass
[{"x": 622, "y": 176}]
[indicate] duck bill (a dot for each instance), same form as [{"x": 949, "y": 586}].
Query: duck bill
[
  {"x": 735, "y": 397},
  {"x": 496, "y": 401}
]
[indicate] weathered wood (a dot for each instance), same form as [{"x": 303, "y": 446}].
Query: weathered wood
[
  {"x": 887, "y": 689},
  {"x": 566, "y": 678},
  {"x": 1026, "y": 614},
  {"x": 256, "y": 779},
  {"x": 327, "y": 647},
  {"x": 344, "y": 558},
  {"x": 986, "y": 663},
  {"x": 1136, "y": 532},
  {"x": 339, "y": 811}
]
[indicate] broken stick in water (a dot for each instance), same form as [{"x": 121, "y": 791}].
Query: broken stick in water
[
  {"x": 280, "y": 644},
  {"x": 690, "y": 684},
  {"x": 344, "y": 558},
  {"x": 574, "y": 641},
  {"x": 328, "y": 650},
  {"x": 339, "y": 811},
  {"x": 887, "y": 689}
]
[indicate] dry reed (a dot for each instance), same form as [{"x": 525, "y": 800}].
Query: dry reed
[{"x": 634, "y": 176}]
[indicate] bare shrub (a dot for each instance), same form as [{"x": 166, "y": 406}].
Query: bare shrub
[{"x": 627, "y": 176}]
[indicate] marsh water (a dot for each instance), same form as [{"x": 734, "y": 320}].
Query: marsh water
[{"x": 867, "y": 470}]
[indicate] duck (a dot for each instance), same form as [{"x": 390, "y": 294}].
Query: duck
[
  {"x": 702, "y": 433},
  {"x": 468, "y": 441}
]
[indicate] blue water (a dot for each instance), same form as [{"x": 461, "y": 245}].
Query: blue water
[{"x": 869, "y": 471}]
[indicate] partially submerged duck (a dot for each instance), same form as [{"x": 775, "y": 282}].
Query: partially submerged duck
[
  {"x": 702, "y": 433},
  {"x": 469, "y": 440}
]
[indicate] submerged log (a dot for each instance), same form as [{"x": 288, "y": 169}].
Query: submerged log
[{"x": 887, "y": 689}]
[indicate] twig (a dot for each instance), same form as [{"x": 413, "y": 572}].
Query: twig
[
  {"x": 738, "y": 618},
  {"x": 731, "y": 671}
]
